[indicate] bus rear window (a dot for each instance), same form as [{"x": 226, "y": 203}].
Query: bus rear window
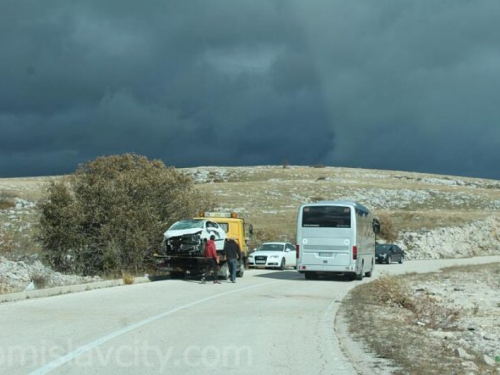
[{"x": 326, "y": 216}]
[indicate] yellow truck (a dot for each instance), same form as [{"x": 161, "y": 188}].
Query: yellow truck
[
  {"x": 233, "y": 225},
  {"x": 182, "y": 248}
]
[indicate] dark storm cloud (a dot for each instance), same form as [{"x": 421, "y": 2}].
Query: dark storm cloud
[{"x": 409, "y": 85}]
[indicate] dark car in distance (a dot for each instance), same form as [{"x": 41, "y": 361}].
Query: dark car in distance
[{"x": 388, "y": 253}]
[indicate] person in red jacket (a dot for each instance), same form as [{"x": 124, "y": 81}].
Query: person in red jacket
[{"x": 212, "y": 261}]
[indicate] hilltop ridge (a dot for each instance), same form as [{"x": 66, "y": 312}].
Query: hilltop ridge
[{"x": 435, "y": 215}]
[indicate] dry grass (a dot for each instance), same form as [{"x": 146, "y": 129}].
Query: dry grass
[
  {"x": 268, "y": 235},
  {"x": 7, "y": 199},
  {"x": 396, "y": 323},
  {"x": 19, "y": 237},
  {"x": 388, "y": 230},
  {"x": 6, "y": 205},
  {"x": 8, "y": 194},
  {"x": 394, "y": 292},
  {"x": 28, "y": 188},
  {"x": 40, "y": 280},
  {"x": 269, "y": 197},
  {"x": 493, "y": 268},
  {"x": 128, "y": 279},
  {"x": 3, "y": 287}
]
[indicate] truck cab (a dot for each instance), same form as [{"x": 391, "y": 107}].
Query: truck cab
[{"x": 233, "y": 225}]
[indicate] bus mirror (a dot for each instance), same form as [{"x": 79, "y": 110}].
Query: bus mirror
[{"x": 376, "y": 226}]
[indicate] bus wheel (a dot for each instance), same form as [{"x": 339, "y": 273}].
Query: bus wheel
[
  {"x": 361, "y": 274},
  {"x": 351, "y": 276},
  {"x": 311, "y": 275},
  {"x": 370, "y": 273}
]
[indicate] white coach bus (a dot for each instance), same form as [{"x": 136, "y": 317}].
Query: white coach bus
[{"x": 336, "y": 237}]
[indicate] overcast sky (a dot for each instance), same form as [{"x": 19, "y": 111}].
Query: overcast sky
[{"x": 409, "y": 85}]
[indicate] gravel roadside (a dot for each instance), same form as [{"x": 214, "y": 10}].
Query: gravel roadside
[{"x": 445, "y": 322}]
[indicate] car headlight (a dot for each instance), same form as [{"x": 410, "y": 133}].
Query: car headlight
[
  {"x": 250, "y": 257},
  {"x": 274, "y": 256}
]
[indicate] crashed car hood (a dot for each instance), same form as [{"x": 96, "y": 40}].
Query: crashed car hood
[{"x": 181, "y": 232}]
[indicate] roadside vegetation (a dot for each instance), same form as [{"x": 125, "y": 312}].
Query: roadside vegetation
[
  {"x": 269, "y": 235},
  {"x": 108, "y": 216},
  {"x": 268, "y": 197},
  {"x": 17, "y": 233},
  {"x": 420, "y": 326},
  {"x": 6, "y": 200},
  {"x": 388, "y": 230}
]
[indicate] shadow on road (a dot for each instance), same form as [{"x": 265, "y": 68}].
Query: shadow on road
[
  {"x": 294, "y": 275},
  {"x": 158, "y": 277},
  {"x": 187, "y": 278},
  {"x": 335, "y": 277},
  {"x": 276, "y": 275},
  {"x": 279, "y": 275}
]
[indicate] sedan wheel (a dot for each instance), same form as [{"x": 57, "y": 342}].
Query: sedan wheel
[
  {"x": 402, "y": 259},
  {"x": 282, "y": 265},
  {"x": 240, "y": 272}
]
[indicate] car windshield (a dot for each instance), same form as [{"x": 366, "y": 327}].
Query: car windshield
[
  {"x": 382, "y": 249},
  {"x": 270, "y": 247},
  {"x": 187, "y": 224}
]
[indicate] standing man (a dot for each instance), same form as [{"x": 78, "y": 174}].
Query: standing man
[
  {"x": 233, "y": 253},
  {"x": 212, "y": 262}
]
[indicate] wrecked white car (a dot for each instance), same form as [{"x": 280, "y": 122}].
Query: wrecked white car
[{"x": 186, "y": 237}]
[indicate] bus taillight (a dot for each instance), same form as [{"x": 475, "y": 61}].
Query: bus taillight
[
  {"x": 354, "y": 252},
  {"x": 297, "y": 251}
]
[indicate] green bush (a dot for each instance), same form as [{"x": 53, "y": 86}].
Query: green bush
[{"x": 111, "y": 213}]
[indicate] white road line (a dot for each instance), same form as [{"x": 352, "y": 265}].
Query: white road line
[{"x": 83, "y": 349}]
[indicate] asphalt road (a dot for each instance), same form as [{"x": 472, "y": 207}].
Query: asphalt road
[{"x": 269, "y": 322}]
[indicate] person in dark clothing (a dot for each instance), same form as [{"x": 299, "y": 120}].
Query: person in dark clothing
[
  {"x": 233, "y": 254},
  {"x": 212, "y": 262}
]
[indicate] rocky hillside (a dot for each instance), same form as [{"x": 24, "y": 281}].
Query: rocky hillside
[
  {"x": 443, "y": 322},
  {"x": 480, "y": 237},
  {"x": 31, "y": 274},
  {"x": 435, "y": 216}
]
